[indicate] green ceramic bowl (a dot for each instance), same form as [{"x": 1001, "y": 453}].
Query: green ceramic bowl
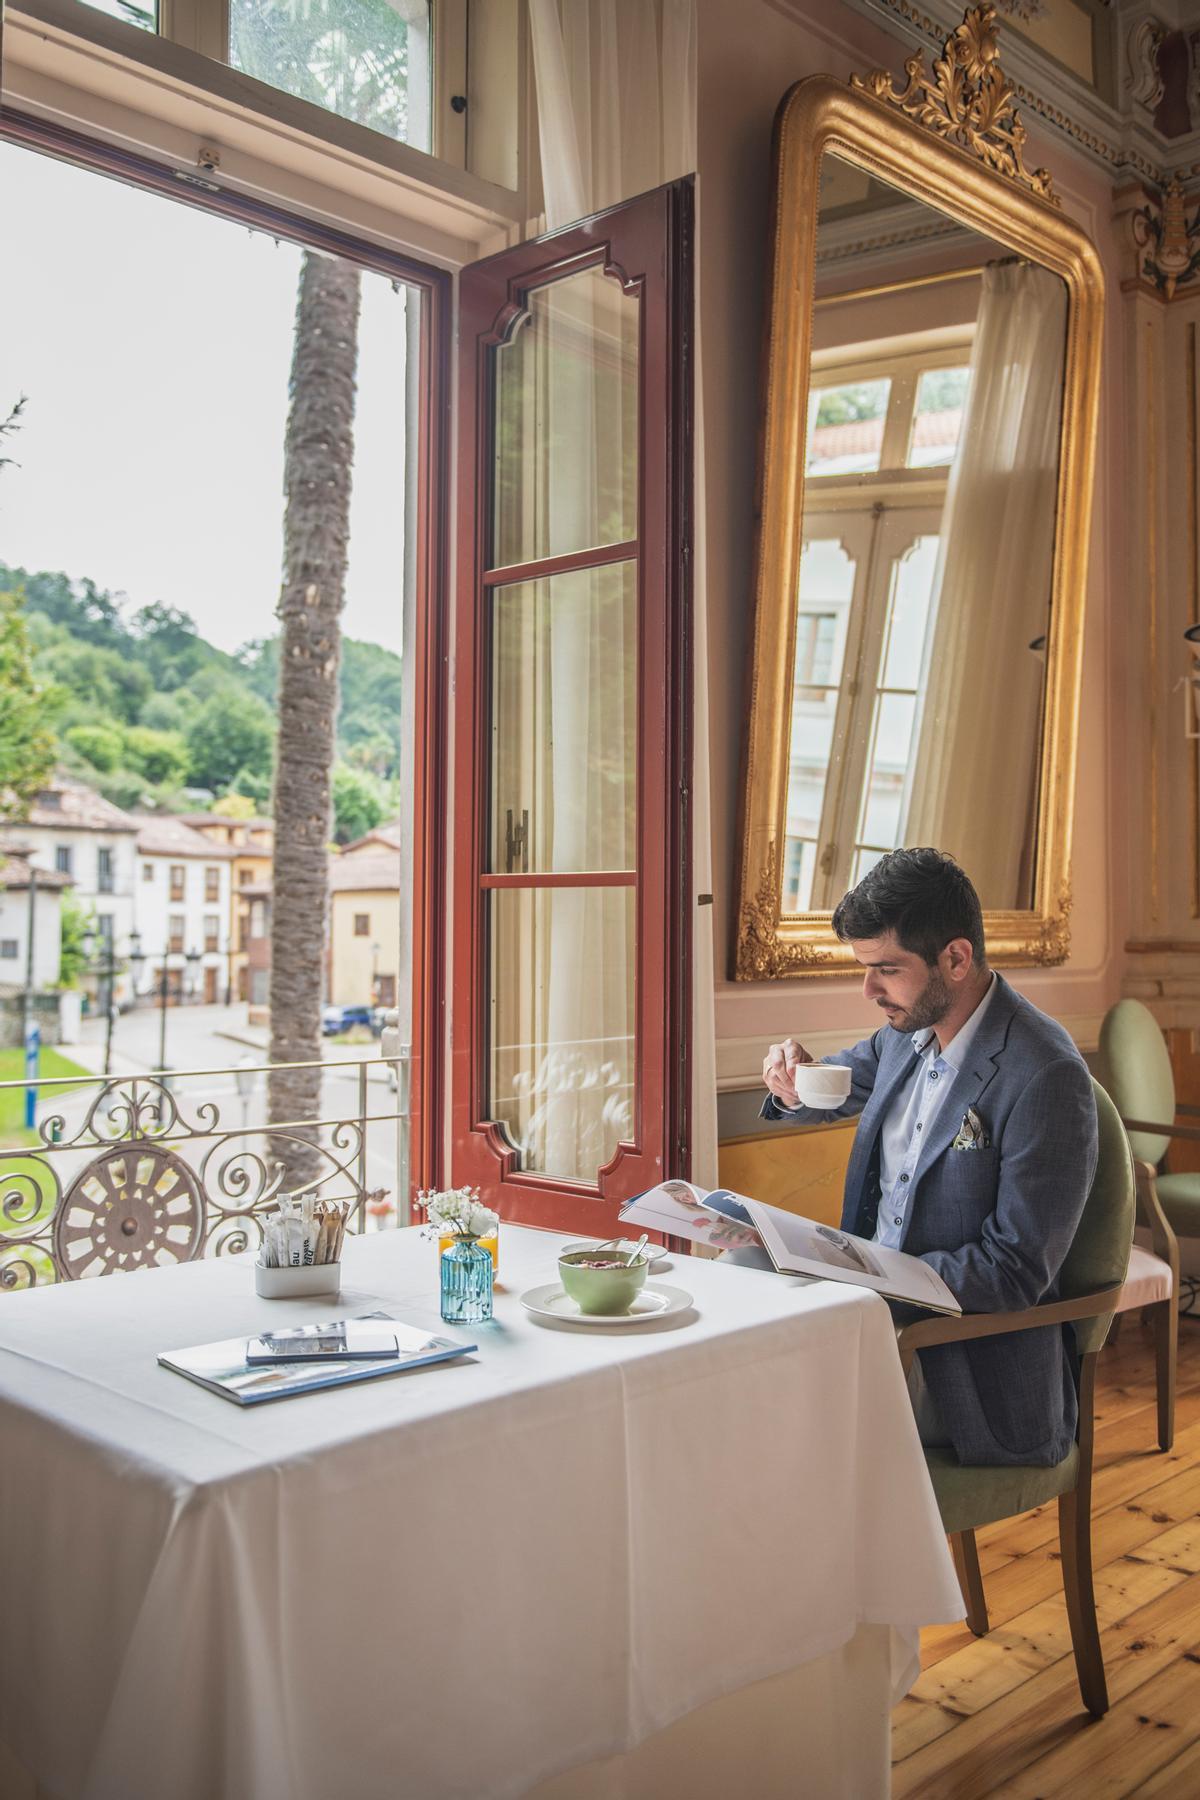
[{"x": 601, "y": 1290}]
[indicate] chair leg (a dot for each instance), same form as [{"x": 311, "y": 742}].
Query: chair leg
[
  {"x": 970, "y": 1580},
  {"x": 1114, "y": 1330},
  {"x": 1075, "y": 1542},
  {"x": 1166, "y": 1341}
]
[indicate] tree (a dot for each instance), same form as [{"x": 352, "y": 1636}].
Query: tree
[
  {"x": 336, "y": 54},
  {"x": 232, "y": 730},
  {"x": 161, "y": 756},
  {"x": 10, "y": 425},
  {"x": 76, "y": 919},
  {"x": 317, "y": 472},
  {"x": 27, "y": 706},
  {"x": 358, "y": 804},
  {"x": 98, "y": 745},
  {"x": 236, "y": 806},
  {"x": 254, "y": 788}
]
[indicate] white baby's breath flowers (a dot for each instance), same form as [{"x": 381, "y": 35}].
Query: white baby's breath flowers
[{"x": 458, "y": 1211}]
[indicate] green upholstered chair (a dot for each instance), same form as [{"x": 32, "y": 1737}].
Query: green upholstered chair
[
  {"x": 1136, "y": 1070},
  {"x": 1090, "y": 1284}
]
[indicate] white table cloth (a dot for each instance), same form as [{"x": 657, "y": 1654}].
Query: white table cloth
[{"x": 459, "y": 1582}]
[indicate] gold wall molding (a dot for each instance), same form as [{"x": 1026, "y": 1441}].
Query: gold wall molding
[
  {"x": 821, "y": 114},
  {"x": 1114, "y": 134},
  {"x": 1168, "y": 240},
  {"x": 1193, "y": 498},
  {"x": 1152, "y": 499},
  {"x": 968, "y": 99}
]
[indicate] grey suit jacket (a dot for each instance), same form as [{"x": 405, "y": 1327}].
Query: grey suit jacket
[{"x": 995, "y": 1223}]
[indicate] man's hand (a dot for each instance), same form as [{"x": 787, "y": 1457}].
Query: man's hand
[{"x": 779, "y": 1069}]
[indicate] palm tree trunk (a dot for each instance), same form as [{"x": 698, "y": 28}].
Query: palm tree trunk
[{"x": 317, "y": 479}]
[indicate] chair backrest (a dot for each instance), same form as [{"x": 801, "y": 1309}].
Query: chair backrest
[
  {"x": 1136, "y": 1070},
  {"x": 1099, "y": 1254}
]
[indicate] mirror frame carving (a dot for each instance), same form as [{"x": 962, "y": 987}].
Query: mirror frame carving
[{"x": 868, "y": 125}]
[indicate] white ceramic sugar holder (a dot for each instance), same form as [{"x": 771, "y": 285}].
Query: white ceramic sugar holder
[{"x": 298, "y": 1281}]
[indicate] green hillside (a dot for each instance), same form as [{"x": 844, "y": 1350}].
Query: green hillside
[{"x": 153, "y": 715}]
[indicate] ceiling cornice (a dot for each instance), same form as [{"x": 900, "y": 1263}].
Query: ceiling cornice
[{"x": 1115, "y": 138}]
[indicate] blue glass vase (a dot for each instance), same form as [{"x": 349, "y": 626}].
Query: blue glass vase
[{"x": 466, "y": 1283}]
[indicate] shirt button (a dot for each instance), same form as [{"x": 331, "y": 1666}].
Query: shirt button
[
  {"x": 904, "y": 1178},
  {"x": 920, "y": 1126},
  {"x": 933, "y": 1074},
  {"x": 897, "y": 1220}
]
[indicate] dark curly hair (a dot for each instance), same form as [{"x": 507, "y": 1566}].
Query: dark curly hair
[{"x": 921, "y": 895}]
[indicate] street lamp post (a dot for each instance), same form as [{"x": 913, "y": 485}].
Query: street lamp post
[
  {"x": 190, "y": 960},
  {"x": 106, "y": 973}
]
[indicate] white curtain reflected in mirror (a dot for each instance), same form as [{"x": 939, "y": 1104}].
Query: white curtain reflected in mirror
[
  {"x": 931, "y": 478},
  {"x": 991, "y": 589}
]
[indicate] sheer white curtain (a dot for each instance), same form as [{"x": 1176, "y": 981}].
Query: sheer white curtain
[
  {"x": 976, "y": 761},
  {"x": 616, "y": 98}
]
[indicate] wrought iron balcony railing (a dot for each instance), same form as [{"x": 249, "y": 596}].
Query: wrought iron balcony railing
[{"x": 129, "y": 1172}]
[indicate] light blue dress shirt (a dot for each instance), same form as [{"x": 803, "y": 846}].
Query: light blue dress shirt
[{"x": 910, "y": 1117}]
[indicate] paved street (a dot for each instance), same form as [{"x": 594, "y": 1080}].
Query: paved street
[{"x": 218, "y": 1038}]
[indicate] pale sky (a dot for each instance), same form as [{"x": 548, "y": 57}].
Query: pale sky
[{"x": 154, "y": 343}]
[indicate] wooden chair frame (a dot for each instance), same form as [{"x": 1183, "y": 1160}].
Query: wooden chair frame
[
  {"x": 1074, "y": 1507},
  {"x": 1165, "y": 1243}
]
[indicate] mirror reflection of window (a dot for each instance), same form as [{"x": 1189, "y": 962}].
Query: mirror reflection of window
[
  {"x": 845, "y": 427},
  {"x": 937, "y": 417},
  {"x": 930, "y": 478}
]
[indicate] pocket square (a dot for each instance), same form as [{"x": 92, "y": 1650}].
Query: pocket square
[{"x": 971, "y": 1134}]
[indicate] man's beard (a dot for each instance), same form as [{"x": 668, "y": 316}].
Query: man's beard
[{"x": 931, "y": 1004}]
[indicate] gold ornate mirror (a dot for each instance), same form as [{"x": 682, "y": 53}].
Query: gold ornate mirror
[{"x": 926, "y": 470}]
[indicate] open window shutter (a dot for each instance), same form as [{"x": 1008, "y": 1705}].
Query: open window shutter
[{"x": 570, "y": 931}]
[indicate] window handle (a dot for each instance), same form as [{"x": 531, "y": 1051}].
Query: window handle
[{"x": 516, "y": 843}]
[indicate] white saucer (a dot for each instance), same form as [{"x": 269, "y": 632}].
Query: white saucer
[
  {"x": 550, "y": 1302},
  {"x": 656, "y": 1253}
]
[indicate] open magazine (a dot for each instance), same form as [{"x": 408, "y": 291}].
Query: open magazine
[{"x": 723, "y": 1220}]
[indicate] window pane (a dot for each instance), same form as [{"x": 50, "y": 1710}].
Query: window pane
[
  {"x": 144, "y": 15},
  {"x": 566, "y": 444},
  {"x": 891, "y": 740},
  {"x": 937, "y": 420},
  {"x": 366, "y": 60},
  {"x": 845, "y": 427},
  {"x": 864, "y": 862},
  {"x": 827, "y": 575},
  {"x": 908, "y": 614},
  {"x": 799, "y": 865},
  {"x": 564, "y": 722},
  {"x": 561, "y": 1024}
]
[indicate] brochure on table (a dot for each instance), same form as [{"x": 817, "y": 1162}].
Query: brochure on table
[
  {"x": 223, "y": 1369},
  {"x": 795, "y": 1245}
]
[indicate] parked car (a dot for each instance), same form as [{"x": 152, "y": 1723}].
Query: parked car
[{"x": 336, "y": 1019}]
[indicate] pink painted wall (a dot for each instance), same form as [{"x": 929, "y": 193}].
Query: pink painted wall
[{"x": 749, "y": 54}]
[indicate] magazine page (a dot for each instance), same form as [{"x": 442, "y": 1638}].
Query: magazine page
[
  {"x": 799, "y": 1246},
  {"x": 678, "y": 1209}
]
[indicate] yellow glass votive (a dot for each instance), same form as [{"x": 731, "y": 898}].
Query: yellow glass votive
[{"x": 491, "y": 1244}]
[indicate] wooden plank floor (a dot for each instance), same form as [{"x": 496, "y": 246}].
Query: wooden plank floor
[{"x": 1001, "y": 1714}]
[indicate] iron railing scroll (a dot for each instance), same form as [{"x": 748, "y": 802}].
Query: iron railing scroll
[{"x": 133, "y": 1176}]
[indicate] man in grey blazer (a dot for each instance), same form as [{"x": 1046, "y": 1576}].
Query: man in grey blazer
[{"x": 975, "y": 1150}]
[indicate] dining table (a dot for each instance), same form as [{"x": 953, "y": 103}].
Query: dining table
[{"x": 683, "y": 1555}]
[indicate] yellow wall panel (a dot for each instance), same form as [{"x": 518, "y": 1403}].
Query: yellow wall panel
[{"x": 801, "y": 1171}]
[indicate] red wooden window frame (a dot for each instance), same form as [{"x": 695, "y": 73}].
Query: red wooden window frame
[{"x": 646, "y": 244}]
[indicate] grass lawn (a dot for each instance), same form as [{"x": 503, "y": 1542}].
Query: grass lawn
[
  {"x": 12, "y": 1100},
  {"x": 26, "y": 1190}
]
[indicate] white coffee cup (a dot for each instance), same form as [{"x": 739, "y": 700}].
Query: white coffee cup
[{"x": 824, "y": 1086}]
